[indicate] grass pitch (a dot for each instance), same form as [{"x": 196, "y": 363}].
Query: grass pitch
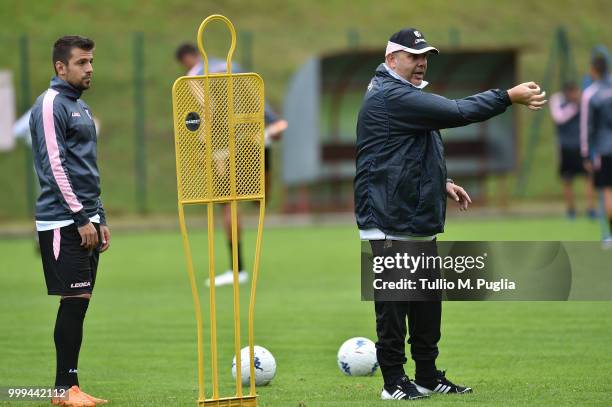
[{"x": 139, "y": 345}]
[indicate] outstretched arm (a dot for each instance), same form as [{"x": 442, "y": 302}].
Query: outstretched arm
[{"x": 427, "y": 111}]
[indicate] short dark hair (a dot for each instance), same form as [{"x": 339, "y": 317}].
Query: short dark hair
[
  {"x": 569, "y": 86},
  {"x": 600, "y": 65},
  {"x": 185, "y": 48},
  {"x": 62, "y": 48}
]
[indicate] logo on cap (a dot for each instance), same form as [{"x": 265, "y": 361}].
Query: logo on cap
[{"x": 416, "y": 33}]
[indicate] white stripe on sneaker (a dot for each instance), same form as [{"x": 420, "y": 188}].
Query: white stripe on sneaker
[
  {"x": 447, "y": 389},
  {"x": 395, "y": 393},
  {"x": 438, "y": 387},
  {"x": 400, "y": 395}
]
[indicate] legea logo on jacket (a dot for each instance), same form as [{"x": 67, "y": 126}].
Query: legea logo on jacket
[{"x": 76, "y": 114}]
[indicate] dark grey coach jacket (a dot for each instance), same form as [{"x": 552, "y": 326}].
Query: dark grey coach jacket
[
  {"x": 64, "y": 146},
  {"x": 599, "y": 121},
  {"x": 400, "y": 182}
]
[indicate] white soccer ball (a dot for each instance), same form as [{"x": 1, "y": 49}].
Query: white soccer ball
[
  {"x": 357, "y": 357},
  {"x": 265, "y": 366}
]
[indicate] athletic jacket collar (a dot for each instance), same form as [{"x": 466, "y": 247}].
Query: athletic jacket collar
[
  {"x": 385, "y": 68},
  {"x": 65, "y": 88}
]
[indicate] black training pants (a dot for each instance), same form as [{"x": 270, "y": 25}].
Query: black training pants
[{"x": 423, "y": 317}]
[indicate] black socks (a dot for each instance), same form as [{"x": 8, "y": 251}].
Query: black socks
[
  {"x": 239, "y": 246},
  {"x": 68, "y": 335},
  {"x": 425, "y": 370},
  {"x": 391, "y": 374}
]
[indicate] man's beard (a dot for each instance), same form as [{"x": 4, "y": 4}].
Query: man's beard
[{"x": 80, "y": 85}]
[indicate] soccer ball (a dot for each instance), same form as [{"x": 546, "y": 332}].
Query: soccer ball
[
  {"x": 357, "y": 357},
  {"x": 265, "y": 366}
]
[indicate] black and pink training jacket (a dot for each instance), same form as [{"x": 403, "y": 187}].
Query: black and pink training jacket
[{"x": 64, "y": 145}]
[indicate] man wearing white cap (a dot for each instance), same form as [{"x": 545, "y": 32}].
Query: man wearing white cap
[{"x": 401, "y": 187}]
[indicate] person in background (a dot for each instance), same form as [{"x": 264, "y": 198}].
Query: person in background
[
  {"x": 188, "y": 56},
  {"x": 565, "y": 111},
  {"x": 596, "y": 135}
]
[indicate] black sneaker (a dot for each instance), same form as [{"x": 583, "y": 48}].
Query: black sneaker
[
  {"x": 404, "y": 389},
  {"x": 440, "y": 385}
]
